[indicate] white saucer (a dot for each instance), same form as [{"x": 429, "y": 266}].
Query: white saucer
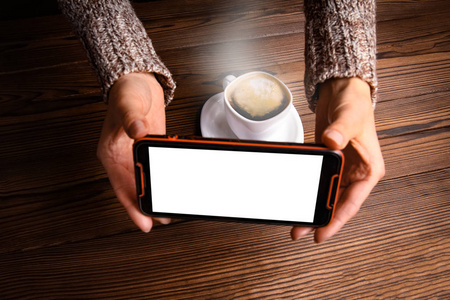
[{"x": 213, "y": 123}]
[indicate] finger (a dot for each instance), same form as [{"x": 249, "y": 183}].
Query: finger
[
  {"x": 347, "y": 206},
  {"x": 164, "y": 221},
  {"x": 128, "y": 105},
  {"x": 124, "y": 188},
  {"x": 345, "y": 125},
  {"x": 132, "y": 117},
  {"x": 298, "y": 232}
]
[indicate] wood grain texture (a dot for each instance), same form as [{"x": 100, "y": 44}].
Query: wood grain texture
[
  {"x": 385, "y": 257},
  {"x": 64, "y": 235}
]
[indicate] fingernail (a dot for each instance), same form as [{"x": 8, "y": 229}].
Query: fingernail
[
  {"x": 164, "y": 221},
  {"x": 335, "y": 136},
  {"x": 301, "y": 233},
  {"x": 136, "y": 127}
]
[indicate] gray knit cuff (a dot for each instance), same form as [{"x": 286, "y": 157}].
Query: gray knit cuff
[
  {"x": 340, "y": 43},
  {"x": 116, "y": 41}
]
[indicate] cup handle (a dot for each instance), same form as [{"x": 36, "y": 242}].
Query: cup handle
[{"x": 227, "y": 80}]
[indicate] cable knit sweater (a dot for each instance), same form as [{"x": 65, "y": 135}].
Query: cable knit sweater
[{"x": 340, "y": 42}]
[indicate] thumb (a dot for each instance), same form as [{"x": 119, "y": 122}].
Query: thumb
[
  {"x": 345, "y": 125},
  {"x": 136, "y": 129},
  {"x": 132, "y": 118}
]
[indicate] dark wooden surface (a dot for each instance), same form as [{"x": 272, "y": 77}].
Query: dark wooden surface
[{"x": 64, "y": 235}]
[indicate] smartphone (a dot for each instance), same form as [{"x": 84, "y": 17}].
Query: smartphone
[{"x": 235, "y": 180}]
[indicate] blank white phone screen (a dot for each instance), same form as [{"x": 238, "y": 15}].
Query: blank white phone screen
[{"x": 270, "y": 186}]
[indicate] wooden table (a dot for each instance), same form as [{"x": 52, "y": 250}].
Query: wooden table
[{"x": 64, "y": 235}]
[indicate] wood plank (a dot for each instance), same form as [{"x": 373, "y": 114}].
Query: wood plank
[
  {"x": 40, "y": 91},
  {"x": 405, "y": 77},
  {"x": 388, "y": 10},
  {"x": 411, "y": 115},
  {"x": 405, "y": 155},
  {"x": 401, "y": 254},
  {"x": 429, "y": 34}
]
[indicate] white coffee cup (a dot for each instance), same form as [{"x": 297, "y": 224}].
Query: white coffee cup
[{"x": 241, "y": 121}]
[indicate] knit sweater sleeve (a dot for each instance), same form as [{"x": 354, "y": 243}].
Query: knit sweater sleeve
[
  {"x": 340, "y": 43},
  {"x": 116, "y": 41}
]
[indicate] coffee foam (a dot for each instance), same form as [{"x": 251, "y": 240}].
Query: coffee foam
[{"x": 258, "y": 96}]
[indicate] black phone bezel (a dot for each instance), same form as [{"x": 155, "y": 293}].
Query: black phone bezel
[{"x": 328, "y": 186}]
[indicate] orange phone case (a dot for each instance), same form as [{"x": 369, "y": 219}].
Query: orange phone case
[{"x": 175, "y": 138}]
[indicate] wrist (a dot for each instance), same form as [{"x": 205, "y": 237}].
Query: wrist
[
  {"x": 336, "y": 92},
  {"x": 338, "y": 85},
  {"x": 137, "y": 82}
]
